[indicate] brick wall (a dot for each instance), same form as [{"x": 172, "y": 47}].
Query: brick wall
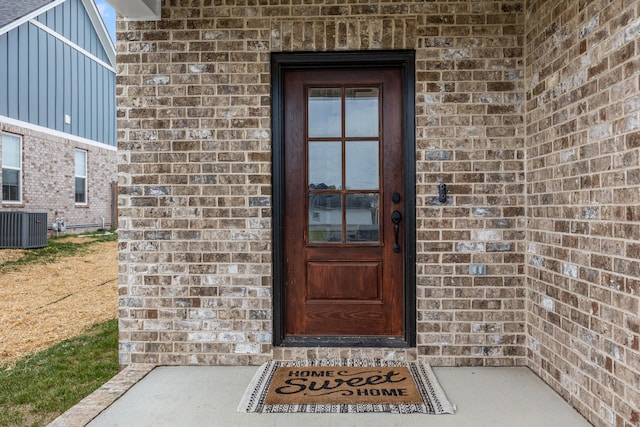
[
  {"x": 470, "y": 135},
  {"x": 559, "y": 243},
  {"x": 48, "y": 178},
  {"x": 195, "y": 175},
  {"x": 583, "y": 203}
]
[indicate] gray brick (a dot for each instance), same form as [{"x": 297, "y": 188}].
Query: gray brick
[{"x": 501, "y": 89}]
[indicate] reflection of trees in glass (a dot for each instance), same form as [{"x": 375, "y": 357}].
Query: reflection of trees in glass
[
  {"x": 362, "y": 217},
  {"x": 325, "y": 164},
  {"x": 321, "y": 186},
  {"x": 325, "y": 201},
  {"x": 362, "y": 201},
  {"x": 325, "y": 217}
]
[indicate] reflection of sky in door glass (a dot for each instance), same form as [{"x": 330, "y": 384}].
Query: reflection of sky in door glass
[
  {"x": 325, "y": 165},
  {"x": 325, "y": 112},
  {"x": 362, "y": 165},
  {"x": 361, "y": 112}
]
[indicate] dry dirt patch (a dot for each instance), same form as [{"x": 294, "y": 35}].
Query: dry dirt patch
[{"x": 41, "y": 304}]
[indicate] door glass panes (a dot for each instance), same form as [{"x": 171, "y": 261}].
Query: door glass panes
[
  {"x": 362, "y": 217},
  {"x": 361, "y": 112},
  {"x": 325, "y": 165},
  {"x": 325, "y": 112},
  {"x": 325, "y": 218},
  {"x": 361, "y": 165},
  {"x": 343, "y": 164}
]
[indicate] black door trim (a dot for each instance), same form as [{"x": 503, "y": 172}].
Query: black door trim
[{"x": 400, "y": 59}]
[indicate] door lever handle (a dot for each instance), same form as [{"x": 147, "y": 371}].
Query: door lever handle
[{"x": 396, "y": 217}]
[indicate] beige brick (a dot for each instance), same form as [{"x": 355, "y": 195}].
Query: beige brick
[
  {"x": 589, "y": 306},
  {"x": 48, "y": 179},
  {"x": 559, "y": 243}
]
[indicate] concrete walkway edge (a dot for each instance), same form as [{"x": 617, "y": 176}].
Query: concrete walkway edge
[{"x": 91, "y": 406}]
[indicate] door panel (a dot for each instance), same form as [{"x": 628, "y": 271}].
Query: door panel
[
  {"x": 340, "y": 281},
  {"x": 343, "y": 156}
]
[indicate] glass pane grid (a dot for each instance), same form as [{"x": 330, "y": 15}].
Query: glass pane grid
[{"x": 343, "y": 165}]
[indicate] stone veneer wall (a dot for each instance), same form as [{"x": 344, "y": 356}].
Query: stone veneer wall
[
  {"x": 195, "y": 175},
  {"x": 48, "y": 178},
  {"x": 583, "y": 203}
]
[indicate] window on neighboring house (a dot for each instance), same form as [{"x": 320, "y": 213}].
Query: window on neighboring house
[
  {"x": 81, "y": 176},
  {"x": 11, "y": 168}
]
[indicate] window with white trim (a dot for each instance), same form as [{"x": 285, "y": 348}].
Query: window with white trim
[
  {"x": 81, "y": 176},
  {"x": 11, "y": 168}
]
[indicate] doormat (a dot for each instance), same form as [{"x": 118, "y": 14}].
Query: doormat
[{"x": 345, "y": 386}]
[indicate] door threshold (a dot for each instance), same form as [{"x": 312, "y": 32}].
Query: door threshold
[{"x": 355, "y": 341}]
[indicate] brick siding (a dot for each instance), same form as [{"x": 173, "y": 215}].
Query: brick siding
[
  {"x": 583, "y": 204},
  {"x": 530, "y": 262},
  {"x": 194, "y": 108},
  {"x": 48, "y": 179}
]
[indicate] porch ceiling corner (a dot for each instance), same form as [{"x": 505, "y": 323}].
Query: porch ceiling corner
[{"x": 138, "y": 10}]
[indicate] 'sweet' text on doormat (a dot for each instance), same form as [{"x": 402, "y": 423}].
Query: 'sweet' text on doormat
[
  {"x": 325, "y": 385},
  {"x": 345, "y": 385}
]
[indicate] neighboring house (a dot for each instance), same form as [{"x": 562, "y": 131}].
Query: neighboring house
[
  {"x": 57, "y": 112},
  {"x": 486, "y": 212}
]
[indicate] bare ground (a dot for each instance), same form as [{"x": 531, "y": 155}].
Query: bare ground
[{"x": 42, "y": 304}]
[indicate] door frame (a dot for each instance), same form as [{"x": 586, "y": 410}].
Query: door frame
[{"x": 398, "y": 59}]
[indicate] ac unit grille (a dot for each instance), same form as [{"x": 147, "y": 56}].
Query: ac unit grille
[{"x": 23, "y": 230}]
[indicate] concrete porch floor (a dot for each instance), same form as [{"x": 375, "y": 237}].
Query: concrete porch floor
[{"x": 208, "y": 396}]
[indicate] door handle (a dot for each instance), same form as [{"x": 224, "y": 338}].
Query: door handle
[{"x": 396, "y": 217}]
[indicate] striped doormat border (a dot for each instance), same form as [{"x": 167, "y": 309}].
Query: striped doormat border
[{"x": 433, "y": 399}]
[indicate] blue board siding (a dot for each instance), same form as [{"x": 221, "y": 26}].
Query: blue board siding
[
  {"x": 43, "y": 93},
  {"x": 59, "y": 97},
  {"x": 66, "y": 91},
  {"x": 70, "y": 19},
  {"x": 43, "y": 79},
  {"x": 51, "y": 83},
  {"x": 12, "y": 68},
  {"x": 34, "y": 91},
  {"x": 23, "y": 73},
  {"x": 4, "y": 101}
]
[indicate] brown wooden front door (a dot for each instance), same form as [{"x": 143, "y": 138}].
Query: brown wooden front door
[{"x": 343, "y": 203}]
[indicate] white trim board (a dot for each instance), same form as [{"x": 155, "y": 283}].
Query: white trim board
[
  {"x": 101, "y": 29},
  {"x": 30, "y": 16},
  {"x": 94, "y": 15},
  {"x": 72, "y": 45},
  {"x": 56, "y": 133}
]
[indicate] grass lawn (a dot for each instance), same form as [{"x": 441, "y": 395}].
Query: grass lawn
[
  {"x": 56, "y": 248},
  {"x": 38, "y": 388}
]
